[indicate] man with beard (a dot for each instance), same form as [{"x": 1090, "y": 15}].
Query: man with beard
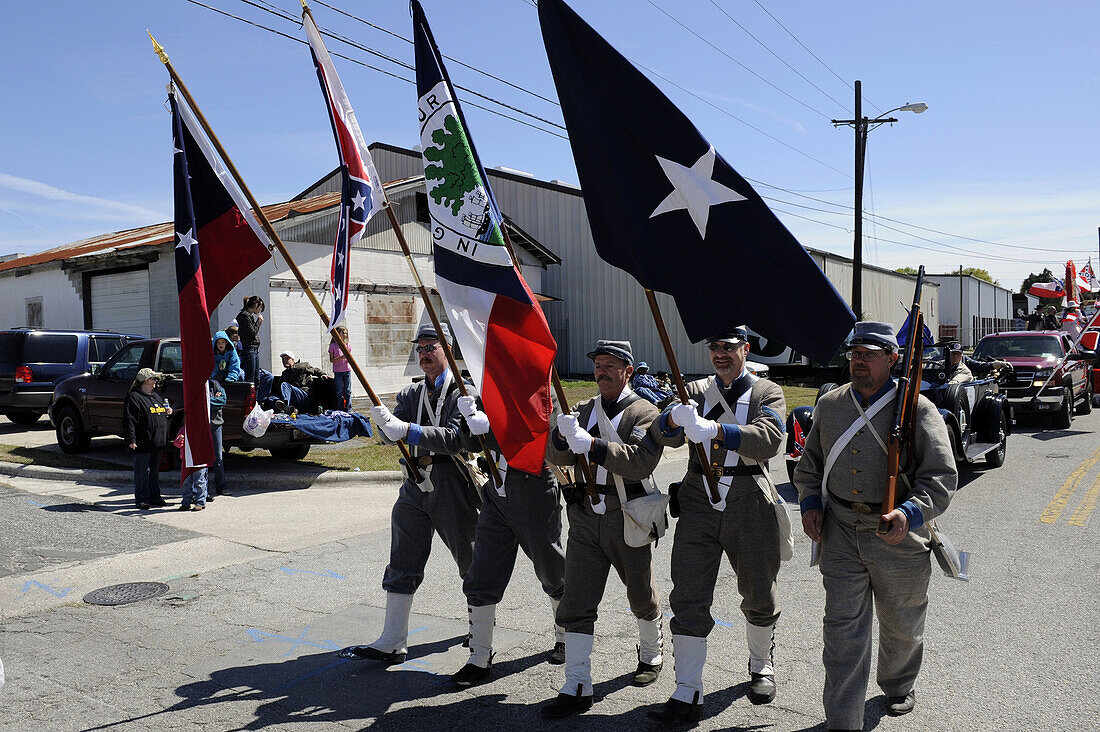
[
  {"x": 738, "y": 418},
  {"x": 841, "y": 480},
  {"x": 427, "y": 419},
  {"x": 596, "y": 534}
]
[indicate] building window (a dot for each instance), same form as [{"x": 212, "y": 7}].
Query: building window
[
  {"x": 422, "y": 213},
  {"x": 34, "y": 312}
]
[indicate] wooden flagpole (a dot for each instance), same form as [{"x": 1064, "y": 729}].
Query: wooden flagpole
[
  {"x": 266, "y": 224},
  {"x": 681, "y": 390}
]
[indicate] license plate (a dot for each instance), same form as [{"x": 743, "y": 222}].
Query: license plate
[{"x": 295, "y": 434}]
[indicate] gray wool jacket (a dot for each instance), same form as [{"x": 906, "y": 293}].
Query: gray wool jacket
[
  {"x": 859, "y": 473},
  {"x": 633, "y": 459}
]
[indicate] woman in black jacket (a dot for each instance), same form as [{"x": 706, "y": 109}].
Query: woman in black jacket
[
  {"x": 249, "y": 321},
  {"x": 145, "y": 429}
]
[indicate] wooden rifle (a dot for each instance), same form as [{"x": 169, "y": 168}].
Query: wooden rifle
[{"x": 899, "y": 445}]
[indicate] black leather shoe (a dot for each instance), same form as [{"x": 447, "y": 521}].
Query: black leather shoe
[
  {"x": 646, "y": 673},
  {"x": 366, "y": 653},
  {"x": 566, "y": 705},
  {"x": 896, "y": 706},
  {"x": 557, "y": 655},
  {"x": 470, "y": 674},
  {"x": 143, "y": 506},
  {"x": 762, "y": 688},
  {"x": 160, "y": 502},
  {"x": 675, "y": 711}
]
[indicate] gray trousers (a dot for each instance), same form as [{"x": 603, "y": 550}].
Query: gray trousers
[
  {"x": 595, "y": 545},
  {"x": 859, "y": 568},
  {"x": 416, "y": 516},
  {"x": 527, "y": 517},
  {"x": 747, "y": 532}
]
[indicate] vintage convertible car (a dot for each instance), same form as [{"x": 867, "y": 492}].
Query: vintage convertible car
[{"x": 975, "y": 412}]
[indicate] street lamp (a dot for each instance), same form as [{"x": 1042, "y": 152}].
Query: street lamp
[{"x": 862, "y": 126}]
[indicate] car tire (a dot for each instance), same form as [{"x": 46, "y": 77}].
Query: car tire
[
  {"x": 1085, "y": 407},
  {"x": 294, "y": 452},
  {"x": 825, "y": 389},
  {"x": 25, "y": 417},
  {"x": 72, "y": 437},
  {"x": 996, "y": 458},
  {"x": 1064, "y": 418}
]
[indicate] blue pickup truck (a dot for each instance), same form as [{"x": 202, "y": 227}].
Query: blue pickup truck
[{"x": 33, "y": 361}]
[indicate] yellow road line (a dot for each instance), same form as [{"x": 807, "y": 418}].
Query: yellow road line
[
  {"x": 1087, "y": 505},
  {"x": 1058, "y": 504}
]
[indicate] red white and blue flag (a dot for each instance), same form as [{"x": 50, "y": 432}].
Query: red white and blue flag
[
  {"x": 1086, "y": 278},
  {"x": 1054, "y": 288},
  {"x": 496, "y": 320},
  {"x": 218, "y": 243},
  {"x": 362, "y": 196}
]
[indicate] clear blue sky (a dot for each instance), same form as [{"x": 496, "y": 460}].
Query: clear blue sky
[{"x": 1007, "y": 151}]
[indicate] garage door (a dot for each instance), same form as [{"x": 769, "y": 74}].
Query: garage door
[{"x": 120, "y": 301}]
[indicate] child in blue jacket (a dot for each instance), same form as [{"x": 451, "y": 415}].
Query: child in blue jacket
[{"x": 227, "y": 362}]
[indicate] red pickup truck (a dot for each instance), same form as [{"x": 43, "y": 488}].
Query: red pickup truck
[
  {"x": 91, "y": 404},
  {"x": 1050, "y": 375}
]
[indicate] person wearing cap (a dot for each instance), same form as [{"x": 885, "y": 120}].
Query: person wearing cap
[
  {"x": 646, "y": 385},
  {"x": 145, "y": 431},
  {"x": 295, "y": 383},
  {"x": 427, "y": 419},
  {"x": 596, "y": 541},
  {"x": 522, "y": 512},
  {"x": 738, "y": 418},
  {"x": 957, "y": 370},
  {"x": 841, "y": 480}
]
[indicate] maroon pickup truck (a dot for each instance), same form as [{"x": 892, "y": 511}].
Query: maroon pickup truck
[
  {"x": 1050, "y": 374},
  {"x": 92, "y": 404}
]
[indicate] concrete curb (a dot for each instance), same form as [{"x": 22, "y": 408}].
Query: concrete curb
[{"x": 291, "y": 479}]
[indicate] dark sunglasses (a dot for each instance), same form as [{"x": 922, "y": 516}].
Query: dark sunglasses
[
  {"x": 428, "y": 348},
  {"x": 727, "y": 347}
]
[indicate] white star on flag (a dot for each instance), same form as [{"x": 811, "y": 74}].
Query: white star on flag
[
  {"x": 358, "y": 199},
  {"x": 186, "y": 241},
  {"x": 693, "y": 189}
]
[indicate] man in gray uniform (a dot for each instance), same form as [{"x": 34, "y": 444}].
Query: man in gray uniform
[
  {"x": 427, "y": 419},
  {"x": 957, "y": 370},
  {"x": 524, "y": 512},
  {"x": 841, "y": 480},
  {"x": 596, "y": 534},
  {"x": 738, "y": 418}
]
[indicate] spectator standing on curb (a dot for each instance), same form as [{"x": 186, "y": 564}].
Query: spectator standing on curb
[
  {"x": 249, "y": 321},
  {"x": 341, "y": 370},
  {"x": 145, "y": 429}
]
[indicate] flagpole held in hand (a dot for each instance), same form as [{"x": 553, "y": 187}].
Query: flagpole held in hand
[
  {"x": 277, "y": 243},
  {"x": 681, "y": 389}
]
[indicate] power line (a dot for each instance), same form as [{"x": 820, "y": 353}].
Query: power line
[
  {"x": 369, "y": 66},
  {"x": 677, "y": 21},
  {"x": 778, "y": 57}
]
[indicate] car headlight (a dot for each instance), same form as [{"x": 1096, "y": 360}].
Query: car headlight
[{"x": 1044, "y": 373}]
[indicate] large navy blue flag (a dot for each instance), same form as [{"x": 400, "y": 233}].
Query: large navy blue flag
[{"x": 667, "y": 208}]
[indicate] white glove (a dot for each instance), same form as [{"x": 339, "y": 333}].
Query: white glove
[
  {"x": 683, "y": 414},
  {"x": 701, "y": 430},
  {"x": 467, "y": 405},
  {"x": 580, "y": 442},
  {"x": 393, "y": 428},
  {"x": 568, "y": 425}
]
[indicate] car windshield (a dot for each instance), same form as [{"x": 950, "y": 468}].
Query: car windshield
[{"x": 1019, "y": 347}]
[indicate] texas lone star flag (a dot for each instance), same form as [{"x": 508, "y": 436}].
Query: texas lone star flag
[
  {"x": 361, "y": 194},
  {"x": 667, "y": 208},
  {"x": 218, "y": 243},
  {"x": 497, "y": 322}
]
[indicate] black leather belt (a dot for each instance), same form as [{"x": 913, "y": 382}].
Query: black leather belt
[
  {"x": 867, "y": 508},
  {"x": 726, "y": 470},
  {"x": 425, "y": 460}
]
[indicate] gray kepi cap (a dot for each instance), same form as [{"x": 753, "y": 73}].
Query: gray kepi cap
[
  {"x": 876, "y": 336},
  {"x": 618, "y": 349},
  {"x": 427, "y": 332}
]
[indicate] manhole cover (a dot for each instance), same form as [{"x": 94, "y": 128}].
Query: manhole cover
[{"x": 126, "y": 593}]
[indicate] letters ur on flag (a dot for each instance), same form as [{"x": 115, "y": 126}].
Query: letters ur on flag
[
  {"x": 362, "y": 195},
  {"x": 667, "y": 208},
  {"x": 496, "y": 320},
  {"x": 218, "y": 243}
]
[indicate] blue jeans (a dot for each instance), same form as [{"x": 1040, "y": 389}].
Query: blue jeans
[
  {"x": 263, "y": 382},
  {"x": 219, "y": 463},
  {"x": 147, "y": 476},
  {"x": 294, "y": 397},
  {"x": 250, "y": 362},
  {"x": 343, "y": 389},
  {"x": 194, "y": 488}
]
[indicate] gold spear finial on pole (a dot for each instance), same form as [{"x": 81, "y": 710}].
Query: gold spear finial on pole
[
  {"x": 158, "y": 48},
  {"x": 304, "y": 6}
]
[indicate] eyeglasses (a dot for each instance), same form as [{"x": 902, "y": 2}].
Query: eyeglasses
[
  {"x": 428, "y": 348},
  {"x": 727, "y": 347},
  {"x": 863, "y": 355}
]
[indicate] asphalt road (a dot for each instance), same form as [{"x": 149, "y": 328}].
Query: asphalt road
[{"x": 266, "y": 584}]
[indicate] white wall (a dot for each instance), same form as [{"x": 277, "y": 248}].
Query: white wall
[{"x": 62, "y": 306}]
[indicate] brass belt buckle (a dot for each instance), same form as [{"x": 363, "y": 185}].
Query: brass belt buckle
[
  {"x": 862, "y": 508},
  {"x": 424, "y": 461}
]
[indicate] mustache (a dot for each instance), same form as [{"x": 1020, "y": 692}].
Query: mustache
[{"x": 603, "y": 377}]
